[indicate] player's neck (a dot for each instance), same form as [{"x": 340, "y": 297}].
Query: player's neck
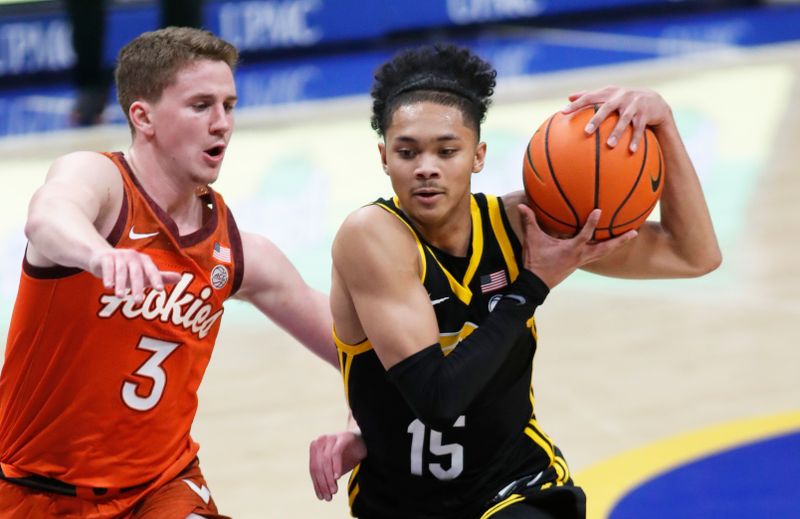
[
  {"x": 452, "y": 234},
  {"x": 175, "y": 195}
]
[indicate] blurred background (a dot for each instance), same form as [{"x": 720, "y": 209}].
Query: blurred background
[{"x": 675, "y": 398}]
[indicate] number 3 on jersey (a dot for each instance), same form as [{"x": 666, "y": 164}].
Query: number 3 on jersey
[
  {"x": 436, "y": 447},
  {"x": 152, "y": 370}
]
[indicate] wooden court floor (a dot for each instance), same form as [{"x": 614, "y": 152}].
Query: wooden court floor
[{"x": 620, "y": 364}]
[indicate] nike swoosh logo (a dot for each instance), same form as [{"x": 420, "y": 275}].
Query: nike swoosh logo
[
  {"x": 654, "y": 183},
  {"x": 435, "y": 302},
  {"x": 203, "y": 491},
  {"x": 133, "y": 235}
]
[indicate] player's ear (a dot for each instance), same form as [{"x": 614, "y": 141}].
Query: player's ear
[
  {"x": 480, "y": 157},
  {"x": 382, "y": 151},
  {"x": 140, "y": 116}
]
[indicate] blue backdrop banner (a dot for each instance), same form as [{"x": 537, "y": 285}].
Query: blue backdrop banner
[{"x": 40, "y": 42}]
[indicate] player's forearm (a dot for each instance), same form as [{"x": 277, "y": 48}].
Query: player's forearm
[
  {"x": 302, "y": 312},
  {"x": 684, "y": 213},
  {"x": 318, "y": 337},
  {"x": 439, "y": 389}
]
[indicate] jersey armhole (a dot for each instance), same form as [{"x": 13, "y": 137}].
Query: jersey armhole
[
  {"x": 238, "y": 252},
  {"x": 512, "y": 236},
  {"x": 60, "y": 271},
  {"x": 420, "y": 248}
]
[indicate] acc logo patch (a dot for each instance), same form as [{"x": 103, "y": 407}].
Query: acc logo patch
[{"x": 219, "y": 277}]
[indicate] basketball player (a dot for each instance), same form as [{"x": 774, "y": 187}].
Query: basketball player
[
  {"x": 129, "y": 261},
  {"x": 434, "y": 292}
]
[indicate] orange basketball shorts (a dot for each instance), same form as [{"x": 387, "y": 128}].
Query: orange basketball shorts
[{"x": 176, "y": 498}]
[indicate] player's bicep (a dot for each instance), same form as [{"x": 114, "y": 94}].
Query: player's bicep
[
  {"x": 84, "y": 182},
  {"x": 390, "y": 300},
  {"x": 270, "y": 280},
  {"x": 70, "y": 215}
]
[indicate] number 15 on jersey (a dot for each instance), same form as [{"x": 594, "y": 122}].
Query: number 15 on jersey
[{"x": 436, "y": 447}]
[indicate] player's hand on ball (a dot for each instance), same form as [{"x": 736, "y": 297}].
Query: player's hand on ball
[
  {"x": 124, "y": 269},
  {"x": 331, "y": 456},
  {"x": 554, "y": 259},
  {"x": 638, "y": 107}
]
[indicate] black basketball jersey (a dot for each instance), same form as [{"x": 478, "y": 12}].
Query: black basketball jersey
[{"x": 412, "y": 471}]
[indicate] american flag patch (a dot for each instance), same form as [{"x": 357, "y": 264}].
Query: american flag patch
[
  {"x": 221, "y": 253},
  {"x": 493, "y": 281}
]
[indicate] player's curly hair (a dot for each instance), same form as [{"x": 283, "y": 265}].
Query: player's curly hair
[{"x": 443, "y": 74}]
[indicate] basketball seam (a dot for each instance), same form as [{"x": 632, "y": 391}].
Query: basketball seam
[
  {"x": 530, "y": 160},
  {"x": 551, "y": 216},
  {"x": 596, "y": 165},
  {"x": 633, "y": 188},
  {"x": 553, "y": 175},
  {"x": 622, "y": 224}
]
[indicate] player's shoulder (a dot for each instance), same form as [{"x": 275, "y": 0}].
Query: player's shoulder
[
  {"x": 371, "y": 222},
  {"x": 510, "y": 204},
  {"x": 512, "y": 200},
  {"x": 86, "y": 165},
  {"x": 89, "y": 159},
  {"x": 373, "y": 229},
  {"x": 255, "y": 245}
]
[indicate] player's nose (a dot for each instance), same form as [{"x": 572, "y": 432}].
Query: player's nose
[
  {"x": 221, "y": 120},
  {"x": 427, "y": 166}
]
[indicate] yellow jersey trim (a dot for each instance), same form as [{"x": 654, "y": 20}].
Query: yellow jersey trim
[
  {"x": 461, "y": 291},
  {"x": 351, "y": 349},
  {"x": 352, "y": 485},
  {"x": 542, "y": 440},
  {"x": 423, "y": 262},
  {"x": 346, "y": 354},
  {"x": 477, "y": 241},
  {"x": 505, "y": 503},
  {"x": 449, "y": 340},
  {"x": 499, "y": 229}
]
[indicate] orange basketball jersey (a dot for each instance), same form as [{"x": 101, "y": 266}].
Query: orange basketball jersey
[{"x": 99, "y": 391}]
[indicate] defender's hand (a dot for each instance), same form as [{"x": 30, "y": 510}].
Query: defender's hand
[
  {"x": 637, "y": 107},
  {"x": 331, "y": 456}
]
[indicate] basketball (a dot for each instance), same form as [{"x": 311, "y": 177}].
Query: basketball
[{"x": 568, "y": 173}]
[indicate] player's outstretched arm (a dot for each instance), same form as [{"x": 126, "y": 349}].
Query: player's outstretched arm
[
  {"x": 275, "y": 287},
  {"x": 683, "y": 243},
  {"x": 69, "y": 217}
]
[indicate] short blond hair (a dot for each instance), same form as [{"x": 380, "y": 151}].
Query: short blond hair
[{"x": 149, "y": 63}]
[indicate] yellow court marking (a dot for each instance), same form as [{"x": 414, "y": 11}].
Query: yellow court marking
[{"x": 608, "y": 481}]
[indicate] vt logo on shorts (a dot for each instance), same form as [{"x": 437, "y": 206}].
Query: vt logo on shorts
[{"x": 202, "y": 491}]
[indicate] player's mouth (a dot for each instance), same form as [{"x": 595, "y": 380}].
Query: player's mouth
[
  {"x": 427, "y": 194},
  {"x": 214, "y": 154}
]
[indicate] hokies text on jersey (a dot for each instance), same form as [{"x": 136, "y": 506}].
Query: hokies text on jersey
[{"x": 175, "y": 305}]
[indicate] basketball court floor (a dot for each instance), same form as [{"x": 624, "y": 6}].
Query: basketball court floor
[{"x": 676, "y": 398}]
